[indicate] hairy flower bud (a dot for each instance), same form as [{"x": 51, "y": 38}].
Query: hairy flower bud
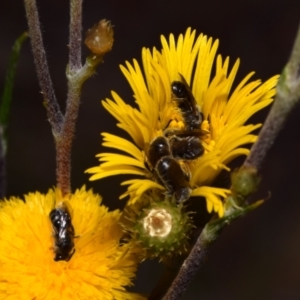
[
  {"x": 244, "y": 181},
  {"x": 99, "y": 38},
  {"x": 161, "y": 228}
]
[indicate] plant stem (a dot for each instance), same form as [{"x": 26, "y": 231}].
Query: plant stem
[
  {"x": 197, "y": 256},
  {"x": 75, "y": 35},
  {"x": 65, "y": 138},
  {"x": 53, "y": 111},
  {"x": 63, "y": 126},
  {"x": 287, "y": 95},
  {"x": 188, "y": 269}
]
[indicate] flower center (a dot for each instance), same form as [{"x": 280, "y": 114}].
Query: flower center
[{"x": 158, "y": 223}]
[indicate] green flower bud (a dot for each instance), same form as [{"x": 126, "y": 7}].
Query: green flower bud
[
  {"x": 244, "y": 181},
  {"x": 162, "y": 229}
]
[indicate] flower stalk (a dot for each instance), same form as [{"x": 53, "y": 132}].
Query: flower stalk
[
  {"x": 288, "y": 95},
  {"x": 54, "y": 113},
  {"x": 63, "y": 125},
  {"x": 75, "y": 35},
  {"x": 244, "y": 183}
]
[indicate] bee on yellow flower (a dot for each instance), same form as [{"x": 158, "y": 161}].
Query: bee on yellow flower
[
  {"x": 218, "y": 125},
  {"x": 32, "y": 267}
]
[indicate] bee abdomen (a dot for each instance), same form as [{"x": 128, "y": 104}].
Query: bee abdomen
[
  {"x": 174, "y": 178},
  {"x": 187, "y": 148}
]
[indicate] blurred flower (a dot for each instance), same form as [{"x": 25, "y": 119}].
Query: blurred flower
[
  {"x": 224, "y": 114},
  {"x": 100, "y": 268}
]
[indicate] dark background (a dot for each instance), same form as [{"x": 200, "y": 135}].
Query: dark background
[{"x": 257, "y": 257}]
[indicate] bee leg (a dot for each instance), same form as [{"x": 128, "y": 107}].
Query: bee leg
[
  {"x": 186, "y": 170},
  {"x": 71, "y": 255},
  {"x": 182, "y": 194}
]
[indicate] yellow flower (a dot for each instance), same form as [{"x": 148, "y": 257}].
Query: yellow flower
[
  {"x": 100, "y": 268},
  {"x": 224, "y": 114}
]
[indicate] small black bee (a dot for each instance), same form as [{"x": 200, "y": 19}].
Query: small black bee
[
  {"x": 187, "y": 104},
  {"x": 168, "y": 170},
  {"x": 63, "y": 232}
]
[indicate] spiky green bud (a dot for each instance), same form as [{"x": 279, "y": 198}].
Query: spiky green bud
[{"x": 162, "y": 229}]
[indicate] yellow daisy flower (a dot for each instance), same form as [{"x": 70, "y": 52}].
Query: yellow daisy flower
[
  {"x": 224, "y": 114},
  {"x": 100, "y": 267}
]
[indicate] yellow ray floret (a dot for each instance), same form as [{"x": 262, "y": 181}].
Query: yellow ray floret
[{"x": 225, "y": 111}]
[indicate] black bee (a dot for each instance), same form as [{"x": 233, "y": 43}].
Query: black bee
[
  {"x": 187, "y": 104},
  {"x": 168, "y": 170},
  {"x": 63, "y": 232}
]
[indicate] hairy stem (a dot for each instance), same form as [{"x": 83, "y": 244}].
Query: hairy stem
[
  {"x": 53, "y": 111},
  {"x": 64, "y": 140},
  {"x": 63, "y": 126},
  {"x": 287, "y": 95},
  {"x": 197, "y": 256},
  {"x": 75, "y": 35},
  {"x": 188, "y": 269}
]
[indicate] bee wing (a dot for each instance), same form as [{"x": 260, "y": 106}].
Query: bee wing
[
  {"x": 186, "y": 148},
  {"x": 171, "y": 174},
  {"x": 191, "y": 101},
  {"x": 185, "y": 133}
]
